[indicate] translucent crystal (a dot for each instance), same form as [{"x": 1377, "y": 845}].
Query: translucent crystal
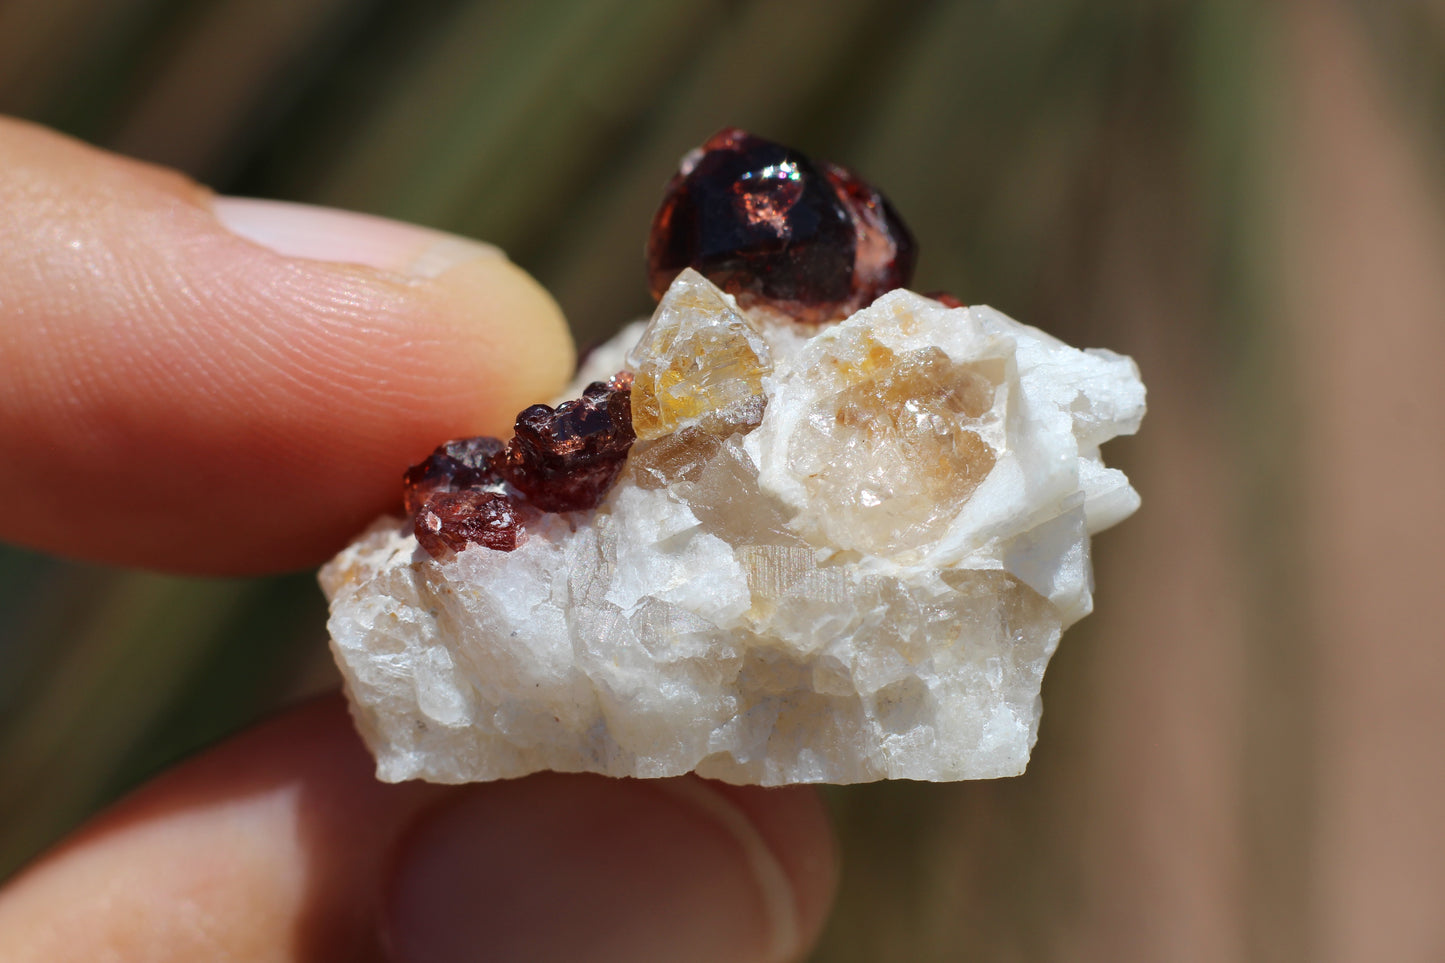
[
  {"x": 698, "y": 362},
  {"x": 561, "y": 459},
  {"x": 450, "y": 520},
  {"x": 674, "y": 458},
  {"x": 895, "y": 444}
]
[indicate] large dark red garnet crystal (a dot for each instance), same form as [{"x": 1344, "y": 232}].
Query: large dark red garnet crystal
[
  {"x": 771, "y": 227},
  {"x": 763, "y": 222}
]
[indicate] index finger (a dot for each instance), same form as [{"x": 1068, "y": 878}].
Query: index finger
[{"x": 222, "y": 386}]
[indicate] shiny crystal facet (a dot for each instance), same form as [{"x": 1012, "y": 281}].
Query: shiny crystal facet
[
  {"x": 698, "y": 362},
  {"x": 768, "y": 225},
  {"x": 455, "y": 465},
  {"x": 448, "y": 521},
  {"x": 560, "y": 459},
  {"x": 564, "y": 459}
]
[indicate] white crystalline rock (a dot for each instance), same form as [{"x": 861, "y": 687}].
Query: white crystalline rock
[{"x": 867, "y": 584}]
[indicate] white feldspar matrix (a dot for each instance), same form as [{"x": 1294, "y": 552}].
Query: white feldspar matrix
[{"x": 834, "y": 554}]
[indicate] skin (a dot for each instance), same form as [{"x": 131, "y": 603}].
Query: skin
[{"x": 177, "y": 364}]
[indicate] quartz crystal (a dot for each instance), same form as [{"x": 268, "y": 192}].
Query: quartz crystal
[
  {"x": 698, "y": 363},
  {"x": 832, "y": 554}
]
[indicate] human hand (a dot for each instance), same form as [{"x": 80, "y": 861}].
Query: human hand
[{"x": 218, "y": 386}]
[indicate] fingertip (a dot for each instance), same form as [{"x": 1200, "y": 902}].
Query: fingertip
[
  {"x": 280, "y": 844},
  {"x": 312, "y": 233},
  {"x": 496, "y": 333},
  {"x": 270, "y": 846},
  {"x": 796, "y": 825},
  {"x": 527, "y": 357},
  {"x": 249, "y": 379}
]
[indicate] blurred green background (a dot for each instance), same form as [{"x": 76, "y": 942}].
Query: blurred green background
[{"x": 1129, "y": 174}]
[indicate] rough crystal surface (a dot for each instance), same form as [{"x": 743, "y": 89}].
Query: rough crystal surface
[
  {"x": 867, "y": 583},
  {"x": 456, "y": 465},
  {"x": 448, "y": 521},
  {"x": 564, "y": 459}
]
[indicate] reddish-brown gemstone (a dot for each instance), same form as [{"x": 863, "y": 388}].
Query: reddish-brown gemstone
[
  {"x": 885, "y": 255},
  {"x": 559, "y": 460},
  {"x": 946, "y": 299},
  {"x": 565, "y": 459},
  {"x": 448, "y": 521},
  {"x": 459, "y": 464},
  {"x": 771, "y": 227}
]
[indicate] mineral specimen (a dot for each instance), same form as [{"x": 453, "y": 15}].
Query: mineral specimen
[
  {"x": 448, "y": 521},
  {"x": 699, "y": 363},
  {"x": 772, "y": 552}
]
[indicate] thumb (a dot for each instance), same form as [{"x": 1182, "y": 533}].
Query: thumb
[
  {"x": 281, "y": 845},
  {"x": 220, "y": 385}
]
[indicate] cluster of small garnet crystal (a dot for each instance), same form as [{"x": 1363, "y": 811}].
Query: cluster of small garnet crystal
[
  {"x": 561, "y": 459},
  {"x": 808, "y": 241}
]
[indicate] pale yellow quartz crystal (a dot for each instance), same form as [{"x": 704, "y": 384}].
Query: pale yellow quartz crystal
[
  {"x": 698, "y": 362},
  {"x": 895, "y": 442}
]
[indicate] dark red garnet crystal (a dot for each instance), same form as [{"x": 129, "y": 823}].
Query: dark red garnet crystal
[
  {"x": 768, "y": 225},
  {"x": 563, "y": 459},
  {"x": 456, "y": 465},
  {"x": 447, "y": 521}
]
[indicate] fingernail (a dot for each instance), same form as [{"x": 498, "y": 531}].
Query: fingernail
[
  {"x": 328, "y": 234},
  {"x": 559, "y": 867}
]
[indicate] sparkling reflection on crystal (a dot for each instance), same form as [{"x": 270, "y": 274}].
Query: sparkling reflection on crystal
[
  {"x": 455, "y": 465},
  {"x": 564, "y": 459},
  {"x": 770, "y": 226},
  {"x": 449, "y": 521},
  {"x": 559, "y": 460}
]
